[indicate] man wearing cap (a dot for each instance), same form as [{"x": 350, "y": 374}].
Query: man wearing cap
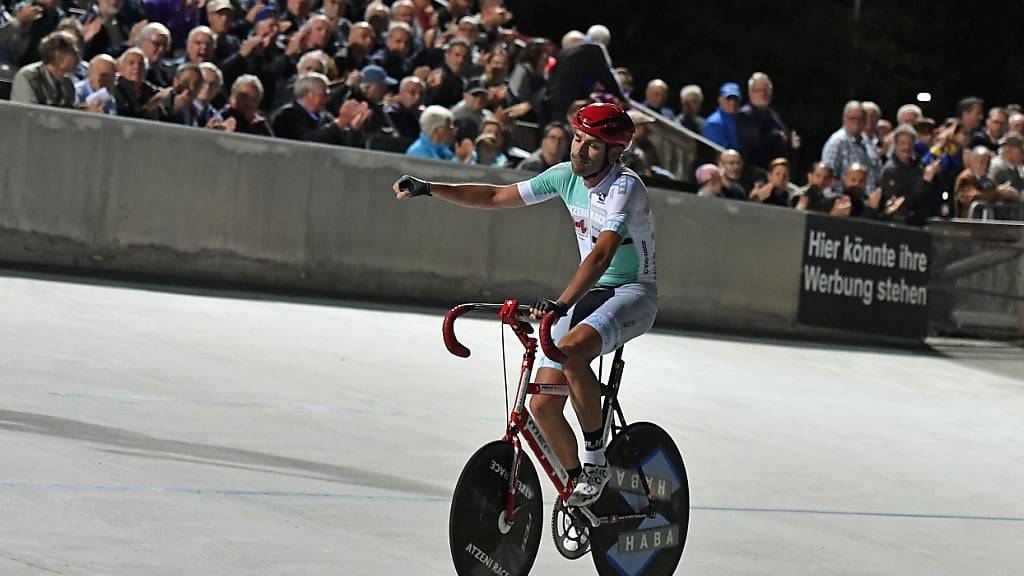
[
  {"x": 720, "y": 127},
  {"x": 709, "y": 179},
  {"x": 473, "y": 105},
  {"x": 229, "y": 53},
  {"x": 372, "y": 89}
]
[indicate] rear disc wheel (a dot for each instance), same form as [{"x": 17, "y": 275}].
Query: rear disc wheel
[{"x": 651, "y": 545}]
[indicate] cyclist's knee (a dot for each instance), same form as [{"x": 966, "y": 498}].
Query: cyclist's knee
[
  {"x": 544, "y": 406},
  {"x": 580, "y": 346}
]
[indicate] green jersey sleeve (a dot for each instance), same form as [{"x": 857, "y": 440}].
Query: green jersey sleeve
[{"x": 555, "y": 181}]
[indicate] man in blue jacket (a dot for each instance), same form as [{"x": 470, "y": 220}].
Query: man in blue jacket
[{"x": 720, "y": 127}]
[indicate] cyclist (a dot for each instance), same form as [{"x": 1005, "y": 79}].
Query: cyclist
[{"x": 612, "y": 297}]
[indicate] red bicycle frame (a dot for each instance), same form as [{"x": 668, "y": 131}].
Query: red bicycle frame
[{"x": 520, "y": 422}]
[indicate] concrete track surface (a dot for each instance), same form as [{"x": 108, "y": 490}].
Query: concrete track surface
[{"x": 148, "y": 431}]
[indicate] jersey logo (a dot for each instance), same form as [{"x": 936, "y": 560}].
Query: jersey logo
[{"x": 581, "y": 225}]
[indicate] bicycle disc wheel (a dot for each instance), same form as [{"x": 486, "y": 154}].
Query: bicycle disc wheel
[
  {"x": 482, "y": 542},
  {"x": 648, "y": 546}
]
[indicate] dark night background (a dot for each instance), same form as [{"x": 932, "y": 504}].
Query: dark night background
[{"x": 813, "y": 51}]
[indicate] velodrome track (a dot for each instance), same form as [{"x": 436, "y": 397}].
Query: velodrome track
[{"x": 151, "y": 431}]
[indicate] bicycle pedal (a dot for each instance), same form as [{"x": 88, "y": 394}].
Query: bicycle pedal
[{"x": 588, "y": 517}]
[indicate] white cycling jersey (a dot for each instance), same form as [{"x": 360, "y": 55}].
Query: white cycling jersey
[{"x": 618, "y": 203}]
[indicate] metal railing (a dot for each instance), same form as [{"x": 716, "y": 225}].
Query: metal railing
[
  {"x": 977, "y": 286},
  {"x": 982, "y": 210}
]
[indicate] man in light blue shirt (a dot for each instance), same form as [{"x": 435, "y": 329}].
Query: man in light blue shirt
[
  {"x": 720, "y": 127},
  {"x": 102, "y": 70},
  {"x": 437, "y": 133}
]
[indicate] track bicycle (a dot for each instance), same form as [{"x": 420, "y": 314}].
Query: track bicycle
[{"x": 638, "y": 526}]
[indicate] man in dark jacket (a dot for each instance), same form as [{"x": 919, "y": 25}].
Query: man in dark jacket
[
  {"x": 445, "y": 85},
  {"x": 906, "y": 187},
  {"x": 305, "y": 117},
  {"x": 246, "y": 94},
  {"x": 404, "y": 110},
  {"x": 577, "y": 71},
  {"x": 762, "y": 134}
]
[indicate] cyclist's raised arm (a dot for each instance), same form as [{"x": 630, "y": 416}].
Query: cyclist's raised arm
[{"x": 471, "y": 195}]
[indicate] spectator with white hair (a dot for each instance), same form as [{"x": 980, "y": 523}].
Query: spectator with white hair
[
  {"x": 600, "y": 34},
  {"x": 131, "y": 89},
  {"x": 378, "y": 15},
  {"x": 847, "y": 146},
  {"x": 394, "y": 58},
  {"x": 691, "y": 98},
  {"x": 437, "y": 134},
  {"x": 404, "y": 110},
  {"x": 908, "y": 114},
  {"x": 763, "y": 136},
  {"x": 572, "y": 38},
  {"x": 656, "y": 97},
  {"x": 198, "y": 49},
  {"x": 1006, "y": 167},
  {"x": 973, "y": 183},
  {"x": 305, "y": 118},
  {"x": 96, "y": 93},
  {"x": 243, "y": 108},
  {"x": 872, "y": 113},
  {"x": 155, "y": 40},
  {"x": 1016, "y": 123}
]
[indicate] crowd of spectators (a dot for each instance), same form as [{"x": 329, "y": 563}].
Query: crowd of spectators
[
  {"x": 870, "y": 167},
  {"x": 448, "y": 80}
]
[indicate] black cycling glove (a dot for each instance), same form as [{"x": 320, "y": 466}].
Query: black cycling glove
[
  {"x": 414, "y": 186},
  {"x": 545, "y": 305}
]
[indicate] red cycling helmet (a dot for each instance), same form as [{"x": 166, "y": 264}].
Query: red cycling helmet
[{"x": 608, "y": 122}]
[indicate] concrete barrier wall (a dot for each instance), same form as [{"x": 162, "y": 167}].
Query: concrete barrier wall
[{"x": 118, "y": 194}]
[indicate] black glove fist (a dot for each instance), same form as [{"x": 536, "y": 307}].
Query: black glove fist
[
  {"x": 545, "y": 305},
  {"x": 414, "y": 186}
]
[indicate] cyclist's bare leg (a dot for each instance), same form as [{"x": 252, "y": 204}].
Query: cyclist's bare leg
[
  {"x": 549, "y": 412},
  {"x": 581, "y": 345}
]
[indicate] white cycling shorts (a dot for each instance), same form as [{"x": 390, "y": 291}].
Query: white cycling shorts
[{"x": 628, "y": 313}]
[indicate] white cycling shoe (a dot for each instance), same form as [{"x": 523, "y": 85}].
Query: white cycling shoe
[{"x": 590, "y": 485}]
